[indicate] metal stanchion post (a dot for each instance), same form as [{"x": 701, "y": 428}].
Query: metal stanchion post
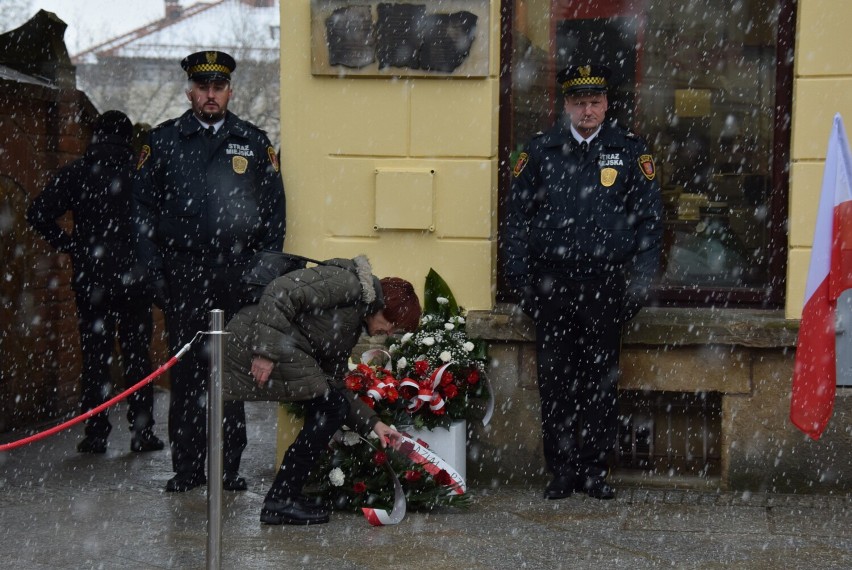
[{"x": 214, "y": 443}]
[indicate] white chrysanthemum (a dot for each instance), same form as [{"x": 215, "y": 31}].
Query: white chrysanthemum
[
  {"x": 372, "y": 435},
  {"x": 460, "y": 320},
  {"x": 442, "y": 300},
  {"x": 350, "y": 438},
  {"x": 449, "y": 326},
  {"x": 428, "y": 341},
  {"x": 406, "y": 337},
  {"x": 401, "y": 364},
  {"x": 336, "y": 477},
  {"x": 445, "y": 356},
  {"x": 468, "y": 346}
]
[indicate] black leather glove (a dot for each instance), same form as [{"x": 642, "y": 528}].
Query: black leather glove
[
  {"x": 527, "y": 300},
  {"x": 629, "y": 308}
]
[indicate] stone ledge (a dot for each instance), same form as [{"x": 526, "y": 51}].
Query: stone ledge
[{"x": 658, "y": 326}]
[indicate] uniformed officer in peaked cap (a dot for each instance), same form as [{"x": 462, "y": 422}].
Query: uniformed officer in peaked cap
[
  {"x": 204, "y": 66},
  {"x": 207, "y": 195},
  {"x": 581, "y": 247}
]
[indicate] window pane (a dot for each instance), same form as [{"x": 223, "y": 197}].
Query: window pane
[{"x": 697, "y": 80}]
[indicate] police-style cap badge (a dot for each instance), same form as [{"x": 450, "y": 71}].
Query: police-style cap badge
[
  {"x": 584, "y": 78},
  {"x": 209, "y": 66}
]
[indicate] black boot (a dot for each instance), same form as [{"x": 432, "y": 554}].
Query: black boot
[
  {"x": 92, "y": 444},
  {"x": 145, "y": 440}
]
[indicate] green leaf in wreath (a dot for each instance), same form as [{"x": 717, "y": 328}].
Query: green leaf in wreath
[{"x": 436, "y": 287}]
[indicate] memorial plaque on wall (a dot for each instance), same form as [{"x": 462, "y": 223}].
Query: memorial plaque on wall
[{"x": 405, "y": 38}]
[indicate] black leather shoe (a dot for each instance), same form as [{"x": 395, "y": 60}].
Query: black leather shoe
[
  {"x": 560, "y": 486},
  {"x": 183, "y": 482},
  {"x": 233, "y": 482},
  {"x": 290, "y": 511},
  {"x": 92, "y": 444},
  {"x": 598, "y": 488},
  {"x": 312, "y": 504},
  {"x": 145, "y": 440}
]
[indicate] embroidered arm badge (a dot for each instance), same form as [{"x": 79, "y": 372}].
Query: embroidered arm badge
[{"x": 646, "y": 163}]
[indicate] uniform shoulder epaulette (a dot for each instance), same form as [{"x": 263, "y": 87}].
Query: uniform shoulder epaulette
[
  {"x": 249, "y": 126},
  {"x": 164, "y": 124}
]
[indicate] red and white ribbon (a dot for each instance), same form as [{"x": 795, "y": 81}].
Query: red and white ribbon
[
  {"x": 427, "y": 393},
  {"x": 419, "y": 454}
]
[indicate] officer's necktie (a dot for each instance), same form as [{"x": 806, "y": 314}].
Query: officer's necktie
[
  {"x": 584, "y": 148},
  {"x": 211, "y": 132}
]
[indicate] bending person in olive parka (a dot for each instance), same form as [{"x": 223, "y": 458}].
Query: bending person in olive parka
[{"x": 294, "y": 346}]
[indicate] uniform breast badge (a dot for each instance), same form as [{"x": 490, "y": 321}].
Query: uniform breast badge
[
  {"x": 608, "y": 176},
  {"x": 240, "y": 164}
]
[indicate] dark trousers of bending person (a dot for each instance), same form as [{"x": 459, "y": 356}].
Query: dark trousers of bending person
[
  {"x": 323, "y": 417},
  {"x": 197, "y": 285},
  {"x": 578, "y": 337}
]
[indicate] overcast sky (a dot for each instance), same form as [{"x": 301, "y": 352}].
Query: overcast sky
[{"x": 91, "y": 22}]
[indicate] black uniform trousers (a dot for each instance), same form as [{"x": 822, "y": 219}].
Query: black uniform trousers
[
  {"x": 578, "y": 339},
  {"x": 102, "y": 311},
  {"x": 198, "y": 284}
]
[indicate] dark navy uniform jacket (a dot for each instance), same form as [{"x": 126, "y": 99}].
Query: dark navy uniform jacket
[
  {"x": 579, "y": 217},
  {"x": 201, "y": 195}
]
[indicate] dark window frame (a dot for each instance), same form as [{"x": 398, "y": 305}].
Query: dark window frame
[{"x": 772, "y": 296}]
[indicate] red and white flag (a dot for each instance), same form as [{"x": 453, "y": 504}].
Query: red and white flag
[{"x": 829, "y": 274}]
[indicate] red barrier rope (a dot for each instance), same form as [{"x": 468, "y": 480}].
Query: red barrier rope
[{"x": 73, "y": 421}]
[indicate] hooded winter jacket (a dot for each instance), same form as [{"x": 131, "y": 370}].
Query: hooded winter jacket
[
  {"x": 307, "y": 322},
  {"x": 96, "y": 189}
]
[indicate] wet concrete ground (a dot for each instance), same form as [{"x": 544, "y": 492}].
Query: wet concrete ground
[{"x": 62, "y": 509}]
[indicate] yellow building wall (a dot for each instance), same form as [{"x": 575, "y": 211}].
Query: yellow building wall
[
  {"x": 822, "y": 87},
  {"x": 401, "y": 169}
]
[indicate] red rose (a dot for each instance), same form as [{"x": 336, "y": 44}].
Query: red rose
[
  {"x": 451, "y": 391},
  {"x": 447, "y": 378},
  {"x": 473, "y": 377},
  {"x": 380, "y": 458},
  {"x": 442, "y": 478},
  {"x": 412, "y": 476},
  {"x": 421, "y": 367},
  {"x": 360, "y": 487}
]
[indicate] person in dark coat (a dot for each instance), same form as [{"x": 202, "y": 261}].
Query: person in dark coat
[
  {"x": 97, "y": 190},
  {"x": 294, "y": 346},
  {"x": 581, "y": 247},
  {"x": 208, "y": 194}
]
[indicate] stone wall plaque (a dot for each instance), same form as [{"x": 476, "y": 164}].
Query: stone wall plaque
[{"x": 400, "y": 38}]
